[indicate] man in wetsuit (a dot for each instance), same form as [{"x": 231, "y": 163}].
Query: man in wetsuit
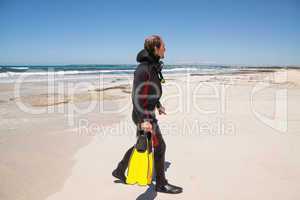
[{"x": 145, "y": 98}]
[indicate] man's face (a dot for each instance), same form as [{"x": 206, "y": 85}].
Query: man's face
[{"x": 161, "y": 51}]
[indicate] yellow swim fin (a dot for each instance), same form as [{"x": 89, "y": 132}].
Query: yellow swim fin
[{"x": 140, "y": 167}]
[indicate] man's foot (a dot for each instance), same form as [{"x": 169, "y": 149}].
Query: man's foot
[
  {"x": 119, "y": 175},
  {"x": 168, "y": 188}
]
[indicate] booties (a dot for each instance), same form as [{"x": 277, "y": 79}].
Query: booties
[{"x": 168, "y": 188}]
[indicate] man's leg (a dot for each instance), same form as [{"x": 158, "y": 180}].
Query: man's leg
[
  {"x": 162, "y": 184},
  {"x": 159, "y": 157},
  {"x": 122, "y": 166}
]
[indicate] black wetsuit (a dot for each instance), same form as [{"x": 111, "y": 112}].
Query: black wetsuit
[{"x": 146, "y": 93}]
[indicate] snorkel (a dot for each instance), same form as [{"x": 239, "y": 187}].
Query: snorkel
[{"x": 159, "y": 68}]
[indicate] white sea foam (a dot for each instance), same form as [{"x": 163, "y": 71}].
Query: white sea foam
[
  {"x": 180, "y": 69},
  {"x": 73, "y": 72},
  {"x": 3, "y": 75}
]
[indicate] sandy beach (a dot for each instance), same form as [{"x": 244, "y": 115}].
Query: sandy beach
[{"x": 229, "y": 136}]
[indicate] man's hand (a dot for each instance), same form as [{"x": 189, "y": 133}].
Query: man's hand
[
  {"x": 161, "y": 110},
  {"x": 146, "y": 126}
]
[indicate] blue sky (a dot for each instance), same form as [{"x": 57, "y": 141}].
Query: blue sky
[{"x": 222, "y": 32}]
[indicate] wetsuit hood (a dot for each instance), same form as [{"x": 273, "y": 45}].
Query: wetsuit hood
[{"x": 145, "y": 56}]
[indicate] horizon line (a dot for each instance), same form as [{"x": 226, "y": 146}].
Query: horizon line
[{"x": 168, "y": 64}]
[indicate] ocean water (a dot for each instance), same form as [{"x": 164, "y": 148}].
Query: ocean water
[{"x": 40, "y": 73}]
